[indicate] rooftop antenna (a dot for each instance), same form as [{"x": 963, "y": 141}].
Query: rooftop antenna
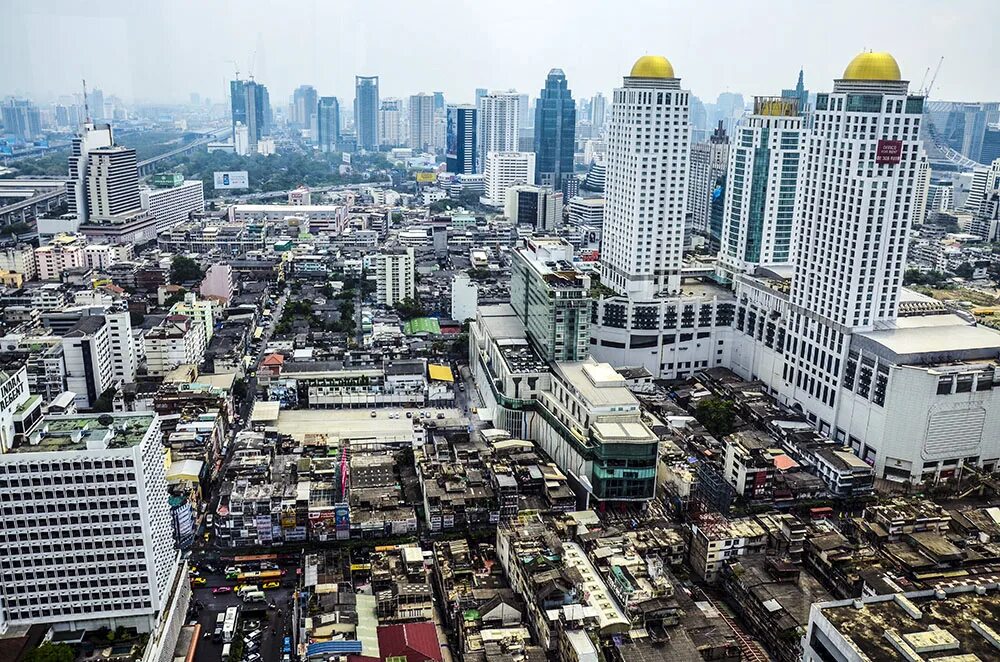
[{"x": 86, "y": 106}]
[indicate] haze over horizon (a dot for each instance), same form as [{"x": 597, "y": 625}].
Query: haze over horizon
[{"x": 162, "y": 52}]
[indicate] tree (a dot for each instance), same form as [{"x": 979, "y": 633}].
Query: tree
[
  {"x": 408, "y": 309},
  {"x": 105, "y": 403},
  {"x": 49, "y": 652},
  {"x": 964, "y": 270},
  {"x": 184, "y": 270},
  {"x": 716, "y": 415},
  {"x": 240, "y": 389}
]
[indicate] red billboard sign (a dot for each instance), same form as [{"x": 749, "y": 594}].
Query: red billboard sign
[{"x": 888, "y": 151}]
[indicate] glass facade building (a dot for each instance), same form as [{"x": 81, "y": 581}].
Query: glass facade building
[{"x": 555, "y": 132}]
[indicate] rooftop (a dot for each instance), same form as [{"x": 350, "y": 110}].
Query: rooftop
[
  {"x": 81, "y": 432},
  {"x": 930, "y": 338}
]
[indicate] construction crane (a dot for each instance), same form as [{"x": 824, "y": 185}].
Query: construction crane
[{"x": 937, "y": 70}]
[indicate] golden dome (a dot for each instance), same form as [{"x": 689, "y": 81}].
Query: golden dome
[
  {"x": 652, "y": 66},
  {"x": 872, "y": 66}
]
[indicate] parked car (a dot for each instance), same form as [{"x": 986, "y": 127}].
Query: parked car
[
  {"x": 199, "y": 581},
  {"x": 440, "y": 415},
  {"x": 374, "y": 413},
  {"x": 219, "y": 590},
  {"x": 271, "y": 585}
]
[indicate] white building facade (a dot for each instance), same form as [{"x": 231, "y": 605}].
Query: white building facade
[
  {"x": 505, "y": 170},
  {"x": 498, "y": 125},
  {"x": 394, "y": 274}
]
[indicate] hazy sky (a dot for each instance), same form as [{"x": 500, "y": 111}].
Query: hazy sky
[{"x": 165, "y": 49}]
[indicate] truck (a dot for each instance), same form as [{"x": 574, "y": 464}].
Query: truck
[
  {"x": 225, "y": 652},
  {"x": 229, "y": 626},
  {"x": 247, "y": 588},
  {"x": 254, "y": 596}
]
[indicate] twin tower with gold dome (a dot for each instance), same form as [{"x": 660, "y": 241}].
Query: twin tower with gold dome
[{"x": 865, "y": 66}]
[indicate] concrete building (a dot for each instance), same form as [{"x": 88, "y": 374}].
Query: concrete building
[
  {"x": 173, "y": 205},
  {"x": 19, "y": 259},
  {"x": 539, "y": 207},
  {"x": 178, "y": 340},
  {"x": 65, "y": 252},
  {"x": 498, "y": 127},
  {"x": 87, "y": 355},
  {"x": 421, "y": 116},
  {"x": 91, "y": 137},
  {"x": 939, "y": 198},
  {"x": 19, "y": 409},
  {"x": 504, "y": 170},
  {"x": 586, "y": 212},
  {"x": 460, "y": 147},
  {"x": 202, "y": 311},
  {"x": 394, "y": 274},
  {"x": 716, "y": 540},
  {"x": 97, "y": 549},
  {"x": 552, "y": 298},
  {"x": 762, "y": 188}
]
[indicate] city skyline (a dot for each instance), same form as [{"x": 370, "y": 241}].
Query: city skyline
[{"x": 348, "y": 41}]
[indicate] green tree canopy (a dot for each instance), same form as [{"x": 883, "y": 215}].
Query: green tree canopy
[
  {"x": 49, "y": 652},
  {"x": 184, "y": 270},
  {"x": 716, "y": 415}
]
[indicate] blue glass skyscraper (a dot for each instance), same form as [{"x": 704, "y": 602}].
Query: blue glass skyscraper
[
  {"x": 366, "y": 111},
  {"x": 460, "y": 150},
  {"x": 555, "y": 131}
]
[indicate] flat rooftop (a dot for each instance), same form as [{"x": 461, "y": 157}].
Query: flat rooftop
[
  {"x": 925, "y": 339},
  {"x": 588, "y": 379},
  {"x": 77, "y": 432}
]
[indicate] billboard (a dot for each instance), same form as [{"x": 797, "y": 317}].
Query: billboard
[
  {"x": 426, "y": 176},
  {"x": 346, "y": 157},
  {"x": 888, "y": 151},
  {"x": 231, "y": 179}
]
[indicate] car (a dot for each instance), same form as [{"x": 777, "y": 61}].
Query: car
[
  {"x": 440, "y": 415},
  {"x": 374, "y": 413},
  {"x": 251, "y": 647},
  {"x": 252, "y": 657},
  {"x": 252, "y": 625},
  {"x": 409, "y": 414},
  {"x": 219, "y": 590},
  {"x": 232, "y": 569},
  {"x": 271, "y": 585},
  {"x": 199, "y": 581}
]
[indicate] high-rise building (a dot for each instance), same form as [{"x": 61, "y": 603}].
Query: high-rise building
[
  {"x": 498, "y": 124},
  {"x": 959, "y": 125},
  {"x": 95, "y": 106},
  {"x": 394, "y": 276},
  {"x": 460, "y": 150},
  {"x": 87, "y": 354},
  {"x": 99, "y": 550},
  {"x": 506, "y": 169},
  {"x": 251, "y": 107},
  {"x": 328, "y": 124},
  {"x": 537, "y": 206},
  {"x": 598, "y": 112},
  {"x": 390, "y": 122},
  {"x": 555, "y": 131},
  {"x": 366, "y": 111},
  {"x": 112, "y": 182},
  {"x": 304, "y": 101},
  {"x": 421, "y": 115},
  {"x": 800, "y": 94},
  {"x": 644, "y": 214},
  {"x": 850, "y": 258},
  {"x": 18, "y": 408},
  {"x": 708, "y": 169},
  {"x": 551, "y": 296},
  {"x": 729, "y": 109},
  {"x": 173, "y": 205},
  {"x": 939, "y": 198},
  {"x": 762, "y": 186},
  {"x": 22, "y": 119},
  {"x": 480, "y": 93},
  {"x": 985, "y": 183},
  {"x": 90, "y": 137},
  {"x": 439, "y": 101}
]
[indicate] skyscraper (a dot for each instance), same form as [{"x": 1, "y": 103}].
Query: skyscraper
[
  {"x": 480, "y": 93},
  {"x": 460, "y": 151},
  {"x": 762, "y": 186},
  {"x": 598, "y": 110},
  {"x": 498, "y": 124},
  {"x": 113, "y": 182},
  {"x": 439, "y": 101},
  {"x": 422, "y": 122},
  {"x": 801, "y": 94},
  {"x": 21, "y": 118},
  {"x": 644, "y": 213},
  {"x": 90, "y": 137},
  {"x": 251, "y": 107},
  {"x": 555, "y": 131},
  {"x": 708, "y": 168},
  {"x": 390, "y": 122},
  {"x": 366, "y": 111},
  {"x": 853, "y": 224},
  {"x": 328, "y": 124},
  {"x": 95, "y": 105},
  {"x": 304, "y": 105}
]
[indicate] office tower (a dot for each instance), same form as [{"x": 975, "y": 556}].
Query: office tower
[
  {"x": 241, "y": 139},
  {"x": 985, "y": 183},
  {"x": 422, "y": 122},
  {"x": 366, "y": 111},
  {"x": 480, "y": 93},
  {"x": 173, "y": 204},
  {"x": 537, "y": 206},
  {"x": 460, "y": 150},
  {"x": 644, "y": 214},
  {"x": 598, "y": 112},
  {"x": 438, "y": 101},
  {"x": 113, "y": 182},
  {"x": 708, "y": 169},
  {"x": 729, "y": 108},
  {"x": 95, "y": 105},
  {"x": 251, "y": 107},
  {"x": 62, "y": 115},
  {"x": 699, "y": 121},
  {"x": 991, "y": 145},
  {"x": 939, "y": 198},
  {"x": 761, "y": 196},
  {"x": 850, "y": 259},
  {"x": 91, "y": 137},
  {"x": 959, "y": 125},
  {"x": 552, "y": 298},
  {"x": 97, "y": 550},
  {"x": 525, "y": 116},
  {"x": 506, "y": 169},
  {"x": 22, "y": 119},
  {"x": 800, "y": 94},
  {"x": 394, "y": 276},
  {"x": 304, "y": 101},
  {"x": 328, "y": 124},
  {"x": 555, "y": 131},
  {"x": 498, "y": 124},
  {"x": 390, "y": 123}
]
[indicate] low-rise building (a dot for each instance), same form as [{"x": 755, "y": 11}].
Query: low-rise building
[{"x": 717, "y": 540}]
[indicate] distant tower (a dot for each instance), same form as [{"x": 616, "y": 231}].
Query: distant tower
[
  {"x": 498, "y": 124},
  {"x": 800, "y": 94},
  {"x": 460, "y": 150},
  {"x": 555, "y": 131},
  {"x": 328, "y": 124},
  {"x": 422, "y": 122},
  {"x": 366, "y": 111}
]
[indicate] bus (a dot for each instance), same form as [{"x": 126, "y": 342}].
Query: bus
[
  {"x": 261, "y": 574},
  {"x": 229, "y": 627}
]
